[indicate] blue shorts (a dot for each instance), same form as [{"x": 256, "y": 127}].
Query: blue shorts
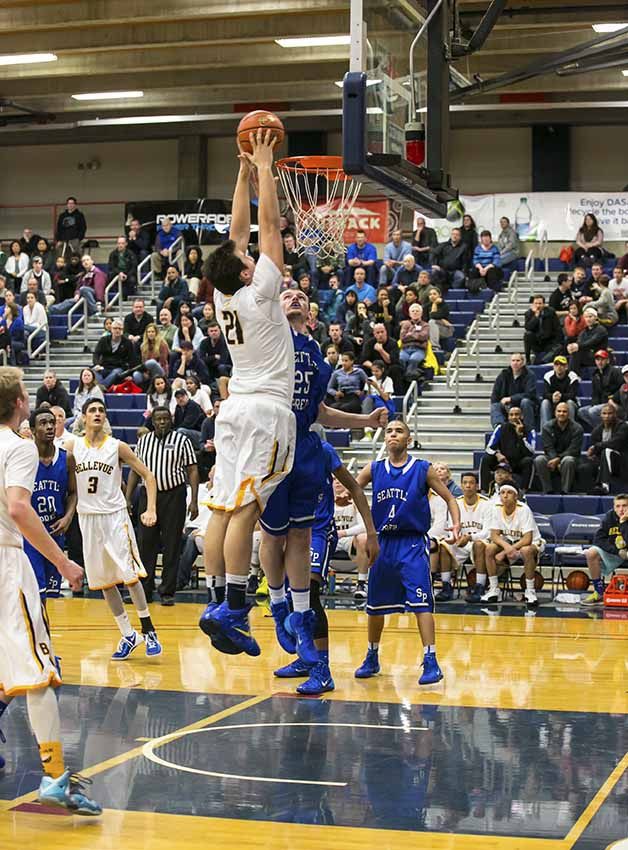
[
  {"x": 400, "y": 578},
  {"x": 610, "y": 562},
  {"x": 294, "y": 502},
  {"x": 324, "y": 542},
  {"x": 47, "y": 575}
]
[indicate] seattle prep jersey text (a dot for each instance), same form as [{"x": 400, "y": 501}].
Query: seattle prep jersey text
[
  {"x": 98, "y": 477},
  {"x": 50, "y": 489},
  {"x": 258, "y": 335},
  {"x": 400, "y": 497}
]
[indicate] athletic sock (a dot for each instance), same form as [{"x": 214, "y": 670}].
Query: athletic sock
[
  {"x": 429, "y": 649},
  {"x": 598, "y": 585},
  {"x": 300, "y": 599},
  {"x": 480, "y": 578},
  {"x": 446, "y": 578},
  {"x": 146, "y": 622},
  {"x": 124, "y": 624},
  {"x": 236, "y": 591},
  {"x": 216, "y": 586},
  {"x": 530, "y": 584},
  {"x": 374, "y": 646},
  {"x": 277, "y": 594},
  {"x": 51, "y": 754},
  {"x": 493, "y": 583},
  {"x": 363, "y": 577}
]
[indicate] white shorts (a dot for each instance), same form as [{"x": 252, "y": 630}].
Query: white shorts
[
  {"x": 345, "y": 544},
  {"x": 540, "y": 548},
  {"x": 26, "y": 654},
  {"x": 461, "y": 554},
  {"x": 254, "y": 440},
  {"x": 110, "y": 550}
]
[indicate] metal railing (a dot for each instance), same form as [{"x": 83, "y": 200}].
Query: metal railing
[
  {"x": 145, "y": 275},
  {"x": 513, "y": 297},
  {"x": 43, "y": 346},
  {"x": 377, "y": 436},
  {"x": 473, "y": 336},
  {"x": 494, "y": 320},
  {"x": 410, "y": 410},
  {"x": 544, "y": 249},
  {"x": 117, "y": 298},
  {"x": 175, "y": 251},
  {"x": 452, "y": 378},
  {"x": 81, "y": 322}
]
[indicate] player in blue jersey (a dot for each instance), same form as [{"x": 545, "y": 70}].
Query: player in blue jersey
[
  {"x": 53, "y": 498},
  {"x": 324, "y": 540},
  {"x": 400, "y": 578}
]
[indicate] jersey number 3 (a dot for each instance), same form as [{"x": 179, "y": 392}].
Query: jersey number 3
[
  {"x": 233, "y": 328},
  {"x": 92, "y": 484}
]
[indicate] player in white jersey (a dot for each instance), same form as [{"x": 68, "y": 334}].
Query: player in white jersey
[
  {"x": 255, "y": 429},
  {"x": 109, "y": 545},
  {"x": 514, "y": 536},
  {"x": 351, "y": 535},
  {"x": 27, "y": 659}
]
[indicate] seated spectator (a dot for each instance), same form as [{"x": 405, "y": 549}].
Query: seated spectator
[
  {"x": 449, "y": 261},
  {"x": 383, "y": 310},
  {"x": 605, "y": 382},
  {"x": 62, "y": 435},
  {"x": 214, "y": 351},
  {"x": 71, "y": 228},
  {"x": 408, "y": 273},
  {"x": 334, "y": 303},
  {"x": 359, "y": 327},
  {"x": 291, "y": 258},
  {"x": 136, "y": 322},
  {"x": 35, "y": 318},
  {"x": 361, "y": 255},
  {"x": 423, "y": 286},
  {"x": 580, "y": 287},
  {"x": 138, "y": 240},
  {"x": 543, "y": 337},
  {"x": 347, "y": 385},
  {"x": 123, "y": 263},
  {"x": 589, "y": 241},
  {"x": 32, "y": 288},
  {"x": 188, "y": 417},
  {"x": 113, "y": 355},
  {"x": 188, "y": 361},
  {"x": 87, "y": 389},
  {"x": 337, "y": 337},
  {"x": 423, "y": 243},
  {"x": 44, "y": 282},
  {"x": 193, "y": 268},
  {"x": 187, "y": 330},
  {"x": 63, "y": 280},
  {"x": 380, "y": 346},
  {"x": 501, "y": 475},
  {"x": 29, "y": 241},
  {"x": 619, "y": 287},
  {"x": 159, "y": 394},
  {"x": 380, "y": 390},
  {"x": 364, "y": 291},
  {"x": 593, "y": 338},
  {"x": 622, "y": 262},
  {"x": 93, "y": 278},
  {"x": 515, "y": 386},
  {"x": 436, "y": 311},
  {"x": 205, "y": 295},
  {"x": 414, "y": 335},
  {"x": 198, "y": 393},
  {"x": 608, "y": 451},
  {"x": 328, "y": 266},
  {"x": 304, "y": 283},
  {"x": 16, "y": 266},
  {"x": 562, "y": 445},
  {"x": 559, "y": 385},
  {"x": 508, "y": 243},
  {"x": 166, "y": 236},
  {"x": 410, "y": 297},
  {"x": 332, "y": 355},
  {"x": 12, "y": 334},
  {"x": 562, "y": 296},
  {"x": 513, "y": 444},
  {"x": 153, "y": 353},
  {"x": 485, "y": 265},
  {"x": 3, "y": 290},
  {"x": 207, "y": 316},
  {"x": 620, "y": 399},
  {"x": 316, "y": 329},
  {"x": 174, "y": 292},
  {"x": 48, "y": 256},
  {"x": 53, "y": 393},
  {"x": 444, "y": 473},
  {"x": 574, "y": 323},
  {"x": 608, "y": 552},
  {"x": 604, "y": 302},
  {"x": 166, "y": 327},
  {"x": 394, "y": 253},
  {"x": 469, "y": 235}
]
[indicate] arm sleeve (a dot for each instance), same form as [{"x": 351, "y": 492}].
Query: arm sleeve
[
  {"x": 351, "y": 251},
  {"x": 22, "y": 466},
  {"x": 493, "y": 444},
  {"x": 371, "y": 252},
  {"x": 266, "y": 279}
]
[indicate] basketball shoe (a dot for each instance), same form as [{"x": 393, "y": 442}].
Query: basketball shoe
[
  {"x": 233, "y": 626},
  {"x": 153, "y": 647},
  {"x": 370, "y": 665},
  {"x": 300, "y": 624},
  {"x": 66, "y": 791},
  {"x": 218, "y": 641},
  {"x": 295, "y": 670},
  {"x": 280, "y": 612},
  {"x": 320, "y": 680},
  {"x": 127, "y": 645},
  {"x": 431, "y": 671}
]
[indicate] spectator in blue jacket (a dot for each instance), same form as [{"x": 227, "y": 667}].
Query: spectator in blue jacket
[
  {"x": 167, "y": 235},
  {"x": 364, "y": 291},
  {"x": 361, "y": 255},
  {"x": 174, "y": 292},
  {"x": 515, "y": 386},
  {"x": 486, "y": 265},
  {"x": 394, "y": 252},
  {"x": 347, "y": 385},
  {"x": 332, "y": 305}
]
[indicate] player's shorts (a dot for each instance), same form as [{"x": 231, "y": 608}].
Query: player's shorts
[
  {"x": 294, "y": 501},
  {"x": 324, "y": 542},
  {"x": 400, "y": 578},
  {"x": 461, "y": 554},
  {"x": 540, "y": 548},
  {"x": 110, "y": 550},
  {"x": 47, "y": 575},
  {"x": 610, "y": 562},
  {"x": 255, "y": 438},
  {"x": 346, "y": 545},
  {"x": 26, "y": 654}
]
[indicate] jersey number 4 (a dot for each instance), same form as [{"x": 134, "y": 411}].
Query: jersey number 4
[{"x": 233, "y": 328}]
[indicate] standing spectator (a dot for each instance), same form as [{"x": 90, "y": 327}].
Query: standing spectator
[
  {"x": 170, "y": 457},
  {"x": 509, "y": 443},
  {"x": 486, "y": 265},
  {"x": 608, "y": 552},
  {"x": 189, "y": 361},
  {"x": 436, "y": 311},
  {"x": 166, "y": 327},
  {"x": 414, "y": 335},
  {"x": 93, "y": 278},
  {"x": 408, "y": 273},
  {"x": 166, "y": 236},
  {"x": 174, "y": 292},
  {"x": 188, "y": 417},
  {"x": 361, "y": 255},
  {"x": 608, "y": 451},
  {"x": 593, "y": 338},
  {"x": 347, "y": 385},
  {"x": 562, "y": 444},
  {"x": 559, "y": 385},
  {"x": 562, "y": 296},
  {"x": 86, "y": 389},
  {"x": 508, "y": 244},
  {"x": 53, "y": 392},
  {"x": 123, "y": 262},
  {"x": 364, "y": 291},
  {"x": 589, "y": 240},
  {"x": 136, "y": 322},
  {"x": 139, "y": 240},
  {"x": 71, "y": 228},
  {"x": 604, "y": 302},
  {"x": 469, "y": 234},
  {"x": 450, "y": 261},
  {"x": 574, "y": 323},
  {"x": 543, "y": 337},
  {"x": 606, "y": 381},
  {"x": 394, "y": 252},
  {"x": 193, "y": 268},
  {"x": 515, "y": 386},
  {"x": 423, "y": 243},
  {"x": 16, "y": 266},
  {"x": 153, "y": 353},
  {"x": 113, "y": 355}
]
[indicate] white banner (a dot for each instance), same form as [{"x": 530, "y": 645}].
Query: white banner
[{"x": 557, "y": 214}]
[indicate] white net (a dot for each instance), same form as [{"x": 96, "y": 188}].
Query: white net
[{"x": 321, "y": 198}]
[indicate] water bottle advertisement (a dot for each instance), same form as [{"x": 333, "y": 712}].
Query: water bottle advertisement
[{"x": 559, "y": 215}]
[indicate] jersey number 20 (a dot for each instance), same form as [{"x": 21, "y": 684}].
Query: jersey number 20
[{"x": 233, "y": 328}]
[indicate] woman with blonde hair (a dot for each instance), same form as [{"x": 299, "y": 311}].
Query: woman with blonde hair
[{"x": 154, "y": 353}]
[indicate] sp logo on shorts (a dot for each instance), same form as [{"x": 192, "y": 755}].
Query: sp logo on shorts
[{"x": 421, "y": 594}]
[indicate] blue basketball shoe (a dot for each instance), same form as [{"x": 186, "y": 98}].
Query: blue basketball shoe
[
  {"x": 281, "y": 612},
  {"x": 431, "y": 671},
  {"x": 370, "y": 665},
  {"x": 319, "y": 682},
  {"x": 127, "y": 645},
  {"x": 218, "y": 641},
  {"x": 66, "y": 791},
  {"x": 300, "y": 624},
  {"x": 295, "y": 670},
  {"x": 153, "y": 647},
  {"x": 232, "y": 626}
]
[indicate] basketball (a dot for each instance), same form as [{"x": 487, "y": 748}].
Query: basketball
[
  {"x": 577, "y": 580},
  {"x": 539, "y": 581},
  {"x": 259, "y": 118}
]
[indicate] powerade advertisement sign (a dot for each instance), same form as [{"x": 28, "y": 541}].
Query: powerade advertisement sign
[{"x": 205, "y": 221}]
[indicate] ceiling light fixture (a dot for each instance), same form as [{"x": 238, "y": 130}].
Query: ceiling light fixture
[
  {"x": 625, "y": 73},
  {"x": 609, "y": 27},
  {"x": 108, "y": 95},
  {"x": 27, "y": 58},
  {"x": 340, "y": 83},
  {"x": 315, "y": 41},
  {"x": 142, "y": 119}
]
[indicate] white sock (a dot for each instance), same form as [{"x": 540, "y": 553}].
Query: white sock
[
  {"x": 124, "y": 624},
  {"x": 373, "y": 645},
  {"x": 446, "y": 577},
  {"x": 215, "y": 581},
  {"x": 480, "y": 579},
  {"x": 231, "y": 578},
  {"x": 429, "y": 648},
  {"x": 43, "y": 714},
  {"x": 144, "y": 613},
  {"x": 493, "y": 583},
  {"x": 277, "y": 594},
  {"x": 363, "y": 577},
  {"x": 300, "y": 599},
  {"x": 530, "y": 584}
]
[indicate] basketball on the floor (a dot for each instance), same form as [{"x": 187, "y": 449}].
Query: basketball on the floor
[
  {"x": 577, "y": 580},
  {"x": 471, "y": 577},
  {"x": 253, "y": 121},
  {"x": 539, "y": 581}
]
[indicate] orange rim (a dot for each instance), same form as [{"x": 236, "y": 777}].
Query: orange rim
[{"x": 329, "y": 166}]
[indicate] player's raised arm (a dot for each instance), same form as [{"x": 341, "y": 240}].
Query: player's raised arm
[
  {"x": 439, "y": 488},
  {"x": 329, "y": 417},
  {"x": 270, "y": 242},
  {"x": 149, "y": 517},
  {"x": 240, "y": 228},
  {"x": 357, "y": 494}
]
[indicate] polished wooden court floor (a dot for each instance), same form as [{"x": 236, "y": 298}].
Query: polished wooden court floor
[{"x": 524, "y": 745}]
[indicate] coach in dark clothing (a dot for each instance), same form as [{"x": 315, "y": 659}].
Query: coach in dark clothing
[
  {"x": 450, "y": 261},
  {"x": 113, "y": 355},
  {"x": 609, "y": 449},
  {"x": 170, "y": 457},
  {"x": 515, "y": 387},
  {"x": 543, "y": 335},
  {"x": 593, "y": 338},
  {"x": 188, "y": 417},
  {"x": 562, "y": 444},
  {"x": 54, "y": 393}
]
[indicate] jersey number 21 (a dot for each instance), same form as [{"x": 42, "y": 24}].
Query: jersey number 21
[{"x": 233, "y": 328}]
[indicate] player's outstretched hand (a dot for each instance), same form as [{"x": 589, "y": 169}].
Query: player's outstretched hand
[
  {"x": 245, "y": 162},
  {"x": 378, "y": 418},
  {"x": 263, "y": 143},
  {"x": 60, "y": 526},
  {"x": 372, "y": 548},
  {"x": 72, "y": 572},
  {"x": 455, "y": 532},
  {"x": 148, "y": 518}
]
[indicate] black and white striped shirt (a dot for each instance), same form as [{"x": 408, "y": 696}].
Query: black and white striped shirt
[{"x": 167, "y": 459}]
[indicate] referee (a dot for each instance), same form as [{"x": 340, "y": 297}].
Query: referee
[{"x": 170, "y": 457}]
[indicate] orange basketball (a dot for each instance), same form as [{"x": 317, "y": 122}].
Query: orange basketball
[
  {"x": 253, "y": 121},
  {"x": 539, "y": 581},
  {"x": 577, "y": 580}
]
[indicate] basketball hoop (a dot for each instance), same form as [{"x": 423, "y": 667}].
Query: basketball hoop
[{"x": 321, "y": 197}]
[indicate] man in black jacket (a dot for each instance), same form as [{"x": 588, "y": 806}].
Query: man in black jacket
[
  {"x": 609, "y": 551},
  {"x": 188, "y": 417},
  {"x": 515, "y": 386},
  {"x": 593, "y": 338},
  {"x": 562, "y": 296},
  {"x": 53, "y": 392},
  {"x": 214, "y": 352},
  {"x": 509, "y": 443},
  {"x": 450, "y": 261},
  {"x": 123, "y": 262},
  {"x": 113, "y": 355},
  {"x": 71, "y": 229},
  {"x": 562, "y": 444},
  {"x": 136, "y": 322},
  {"x": 543, "y": 335},
  {"x": 188, "y": 362},
  {"x": 609, "y": 449},
  {"x": 381, "y": 347},
  {"x": 337, "y": 338},
  {"x": 606, "y": 381},
  {"x": 559, "y": 384}
]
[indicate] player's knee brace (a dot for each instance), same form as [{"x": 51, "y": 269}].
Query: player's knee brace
[{"x": 321, "y": 628}]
